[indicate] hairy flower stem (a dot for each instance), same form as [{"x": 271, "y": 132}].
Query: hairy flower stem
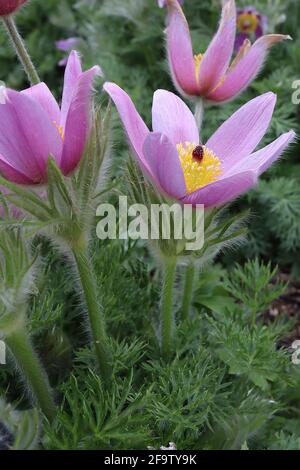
[
  {"x": 32, "y": 369},
  {"x": 167, "y": 316},
  {"x": 188, "y": 290},
  {"x": 20, "y": 49},
  {"x": 199, "y": 113},
  {"x": 95, "y": 314}
]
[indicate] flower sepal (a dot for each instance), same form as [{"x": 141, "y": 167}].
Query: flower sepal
[
  {"x": 141, "y": 191},
  {"x": 213, "y": 229},
  {"x": 17, "y": 268},
  {"x": 221, "y": 230}
]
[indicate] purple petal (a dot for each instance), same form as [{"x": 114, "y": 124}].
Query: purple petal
[
  {"x": 63, "y": 62},
  {"x": 162, "y": 157},
  {"x": 239, "y": 41},
  {"x": 172, "y": 117},
  {"x": 136, "y": 129},
  {"x": 27, "y": 136},
  {"x": 44, "y": 97},
  {"x": 72, "y": 74},
  {"x": 264, "y": 23},
  {"x": 220, "y": 192},
  {"x": 243, "y": 131},
  {"x": 13, "y": 175},
  {"x": 216, "y": 59},
  {"x": 242, "y": 74},
  {"x": 66, "y": 44},
  {"x": 78, "y": 121},
  {"x": 261, "y": 160},
  {"x": 180, "y": 51},
  {"x": 259, "y": 32}
]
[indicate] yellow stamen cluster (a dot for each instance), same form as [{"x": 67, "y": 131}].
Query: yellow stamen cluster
[
  {"x": 197, "y": 60},
  {"x": 60, "y": 130},
  {"x": 198, "y": 173},
  {"x": 247, "y": 23}
]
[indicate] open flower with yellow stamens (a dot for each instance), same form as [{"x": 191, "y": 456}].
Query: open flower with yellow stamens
[
  {"x": 250, "y": 24},
  {"x": 185, "y": 169},
  {"x": 33, "y": 126},
  {"x": 209, "y": 75}
]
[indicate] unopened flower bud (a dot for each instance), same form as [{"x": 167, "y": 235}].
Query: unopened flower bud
[{"x": 7, "y": 7}]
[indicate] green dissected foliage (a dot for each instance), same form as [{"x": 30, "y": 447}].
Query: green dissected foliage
[{"x": 229, "y": 385}]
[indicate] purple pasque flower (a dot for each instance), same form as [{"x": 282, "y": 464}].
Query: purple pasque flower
[
  {"x": 250, "y": 25},
  {"x": 181, "y": 166},
  {"x": 66, "y": 45},
  {"x": 210, "y": 75},
  {"x": 33, "y": 126}
]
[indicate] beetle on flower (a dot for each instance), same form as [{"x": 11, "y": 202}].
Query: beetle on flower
[
  {"x": 181, "y": 166},
  {"x": 33, "y": 127},
  {"x": 210, "y": 75}
]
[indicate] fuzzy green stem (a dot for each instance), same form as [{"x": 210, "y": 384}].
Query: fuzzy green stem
[
  {"x": 95, "y": 314},
  {"x": 21, "y": 50},
  {"x": 188, "y": 290},
  {"x": 167, "y": 316},
  {"x": 199, "y": 113},
  {"x": 32, "y": 369}
]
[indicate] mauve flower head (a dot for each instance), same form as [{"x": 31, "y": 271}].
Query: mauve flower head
[
  {"x": 34, "y": 127},
  {"x": 7, "y": 7},
  {"x": 66, "y": 45},
  {"x": 209, "y": 75},
  {"x": 250, "y": 25},
  {"x": 181, "y": 166}
]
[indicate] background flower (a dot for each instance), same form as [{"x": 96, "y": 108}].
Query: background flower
[
  {"x": 250, "y": 24},
  {"x": 210, "y": 75}
]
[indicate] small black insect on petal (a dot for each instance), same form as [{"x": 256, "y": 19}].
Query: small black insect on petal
[{"x": 198, "y": 153}]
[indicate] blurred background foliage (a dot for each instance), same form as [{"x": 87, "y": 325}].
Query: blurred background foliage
[{"x": 232, "y": 384}]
